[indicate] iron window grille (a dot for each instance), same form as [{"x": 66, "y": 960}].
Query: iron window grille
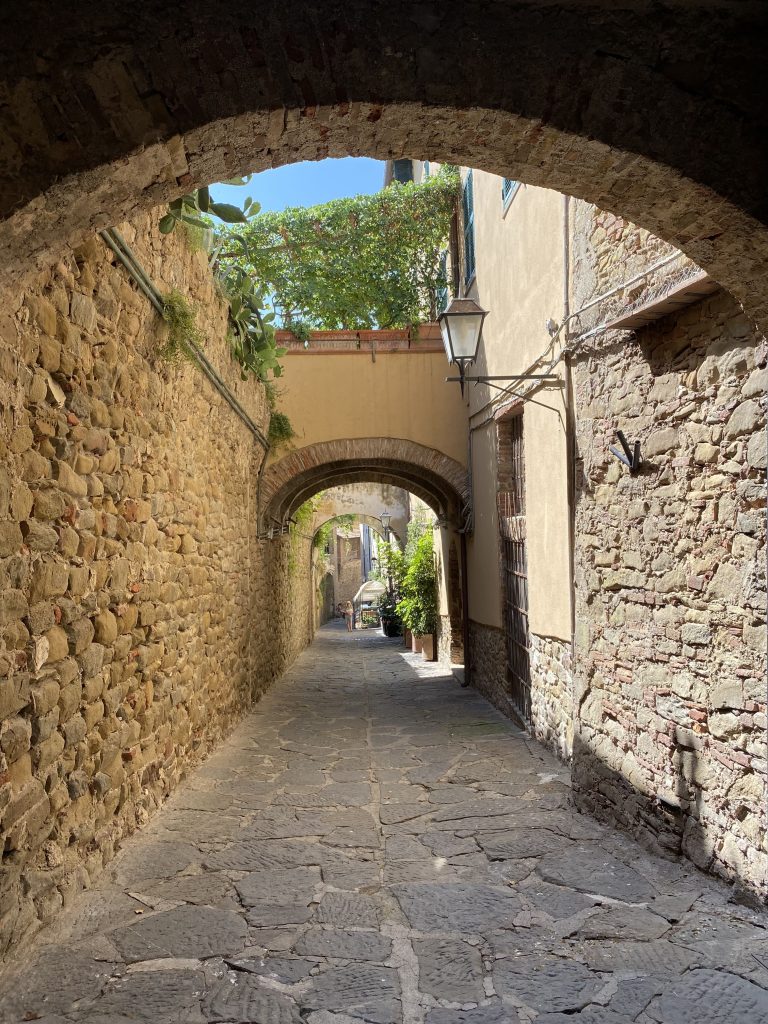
[
  {"x": 514, "y": 565},
  {"x": 509, "y": 188}
]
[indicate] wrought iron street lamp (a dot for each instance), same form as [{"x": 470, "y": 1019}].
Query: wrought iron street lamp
[
  {"x": 461, "y": 326},
  {"x": 386, "y": 518}
]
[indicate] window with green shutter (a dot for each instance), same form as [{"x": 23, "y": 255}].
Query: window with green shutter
[
  {"x": 468, "y": 212},
  {"x": 441, "y": 295}
]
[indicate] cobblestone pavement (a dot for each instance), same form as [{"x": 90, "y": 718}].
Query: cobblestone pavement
[{"x": 377, "y": 844}]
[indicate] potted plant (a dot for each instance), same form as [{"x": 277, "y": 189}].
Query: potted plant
[
  {"x": 391, "y": 623},
  {"x": 418, "y": 604}
]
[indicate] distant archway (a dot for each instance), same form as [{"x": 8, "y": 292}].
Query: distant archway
[
  {"x": 362, "y": 517},
  {"x": 427, "y": 473}
]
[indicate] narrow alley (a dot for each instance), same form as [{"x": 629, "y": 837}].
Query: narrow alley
[{"x": 376, "y": 844}]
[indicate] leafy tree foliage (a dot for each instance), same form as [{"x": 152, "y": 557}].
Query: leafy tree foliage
[
  {"x": 366, "y": 262},
  {"x": 418, "y": 603}
]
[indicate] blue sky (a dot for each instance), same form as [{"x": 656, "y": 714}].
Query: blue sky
[{"x": 306, "y": 184}]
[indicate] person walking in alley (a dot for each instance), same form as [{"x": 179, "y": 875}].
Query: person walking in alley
[{"x": 349, "y": 615}]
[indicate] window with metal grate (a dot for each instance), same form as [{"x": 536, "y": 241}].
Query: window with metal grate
[{"x": 508, "y": 189}]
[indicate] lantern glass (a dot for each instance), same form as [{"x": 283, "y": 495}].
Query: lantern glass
[
  {"x": 461, "y": 326},
  {"x": 385, "y": 519}
]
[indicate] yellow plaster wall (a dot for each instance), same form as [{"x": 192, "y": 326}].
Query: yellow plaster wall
[
  {"x": 401, "y": 395},
  {"x": 519, "y": 280}
]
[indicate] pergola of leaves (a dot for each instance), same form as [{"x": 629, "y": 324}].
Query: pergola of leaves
[{"x": 371, "y": 261}]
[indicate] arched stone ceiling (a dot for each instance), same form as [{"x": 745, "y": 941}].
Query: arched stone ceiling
[{"x": 652, "y": 110}]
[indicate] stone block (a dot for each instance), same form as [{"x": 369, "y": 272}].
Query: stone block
[
  {"x": 21, "y": 502},
  {"x": 39, "y": 536},
  {"x": 726, "y": 694},
  {"x": 695, "y": 633},
  {"x": 48, "y": 751},
  {"x": 105, "y": 625},
  {"x": 15, "y": 694},
  {"x": 58, "y": 644},
  {"x": 706, "y": 453},
  {"x": 727, "y": 584},
  {"x": 69, "y": 481},
  {"x": 13, "y": 605},
  {"x": 661, "y": 441},
  {"x": 79, "y": 578},
  {"x": 10, "y": 539},
  {"x": 49, "y": 355},
  {"x": 49, "y": 503},
  {"x": 75, "y": 730},
  {"x": 69, "y": 700},
  {"x": 756, "y": 451},
  {"x": 50, "y": 578},
  {"x": 744, "y": 419},
  {"x": 91, "y": 660},
  {"x": 83, "y": 311},
  {"x": 42, "y": 312},
  {"x": 22, "y": 438},
  {"x": 15, "y": 737},
  {"x": 80, "y": 633}
]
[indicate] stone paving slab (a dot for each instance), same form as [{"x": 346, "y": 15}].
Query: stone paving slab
[{"x": 376, "y": 845}]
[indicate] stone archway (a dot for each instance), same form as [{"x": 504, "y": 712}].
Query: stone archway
[
  {"x": 429, "y": 474},
  {"x": 361, "y": 517},
  {"x": 656, "y": 116}
]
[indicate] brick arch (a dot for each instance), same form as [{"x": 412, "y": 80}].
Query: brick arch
[
  {"x": 658, "y": 118},
  {"x": 429, "y": 474}
]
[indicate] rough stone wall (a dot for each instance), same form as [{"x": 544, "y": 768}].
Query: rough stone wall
[
  {"x": 444, "y": 634},
  {"x": 489, "y": 664},
  {"x": 138, "y": 615},
  {"x": 552, "y": 693},
  {"x": 282, "y": 616},
  {"x": 670, "y": 581}
]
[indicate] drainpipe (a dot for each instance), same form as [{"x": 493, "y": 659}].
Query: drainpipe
[{"x": 570, "y": 426}]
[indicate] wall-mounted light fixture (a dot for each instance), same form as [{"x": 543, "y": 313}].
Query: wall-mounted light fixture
[{"x": 461, "y": 326}]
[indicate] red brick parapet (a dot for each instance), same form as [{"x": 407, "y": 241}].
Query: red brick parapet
[{"x": 424, "y": 338}]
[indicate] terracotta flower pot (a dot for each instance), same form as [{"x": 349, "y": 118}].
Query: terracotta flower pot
[
  {"x": 428, "y": 647},
  {"x": 416, "y": 643},
  {"x": 406, "y": 637}
]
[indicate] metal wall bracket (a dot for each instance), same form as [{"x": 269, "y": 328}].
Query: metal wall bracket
[{"x": 630, "y": 456}]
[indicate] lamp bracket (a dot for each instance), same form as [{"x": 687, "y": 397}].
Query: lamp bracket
[{"x": 482, "y": 379}]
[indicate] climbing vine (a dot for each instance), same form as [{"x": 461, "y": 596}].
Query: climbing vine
[
  {"x": 182, "y": 327},
  {"x": 251, "y": 331},
  {"x": 280, "y": 430},
  {"x": 364, "y": 262}
]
